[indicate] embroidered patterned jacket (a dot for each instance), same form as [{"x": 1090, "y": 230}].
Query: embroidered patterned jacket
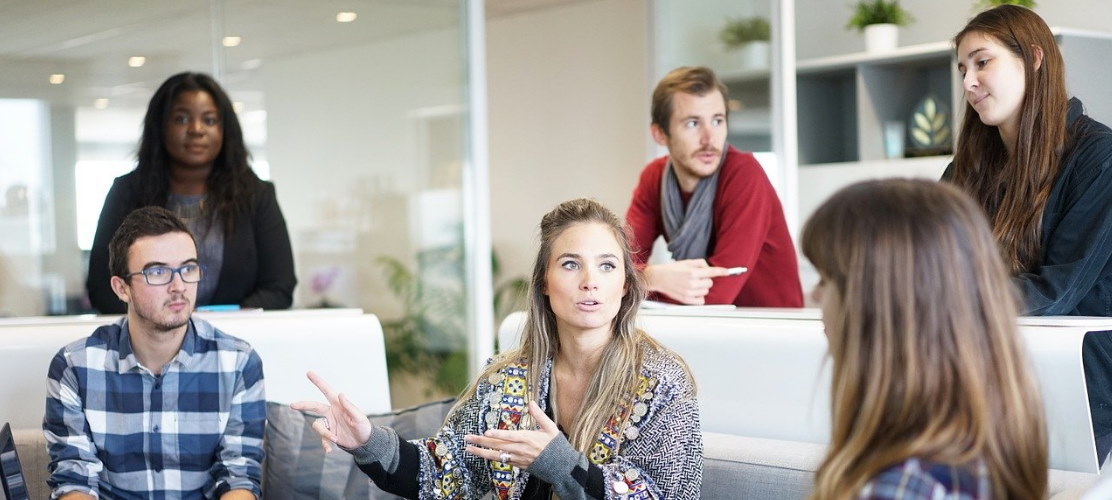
[{"x": 651, "y": 449}]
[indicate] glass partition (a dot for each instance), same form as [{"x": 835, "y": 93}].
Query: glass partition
[
  {"x": 357, "y": 112},
  {"x": 735, "y": 40}
]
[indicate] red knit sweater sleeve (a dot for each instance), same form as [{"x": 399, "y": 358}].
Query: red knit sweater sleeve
[
  {"x": 643, "y": 216},
  {"x": 749, "y": 224}
]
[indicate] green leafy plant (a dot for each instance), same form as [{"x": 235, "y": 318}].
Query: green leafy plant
[
  {"x": 739, "y": 31},
  {"x": 866, "y": 12},
  {"x": 988, "y": 4},
  {"x": 429, "y": 339}
]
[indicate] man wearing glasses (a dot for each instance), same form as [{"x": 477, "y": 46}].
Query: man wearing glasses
[{"x": 158, "y": 404}]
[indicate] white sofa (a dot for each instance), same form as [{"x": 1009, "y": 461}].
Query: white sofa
[
  {"x": 763, "y": 381},
  {"x": 762, "y": 392}
]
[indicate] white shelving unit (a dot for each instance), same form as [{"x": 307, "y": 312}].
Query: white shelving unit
[
  {"x": 751, "y": 108},
  {"x": 843, "y": 101}
]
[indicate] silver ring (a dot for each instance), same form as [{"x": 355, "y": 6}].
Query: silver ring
[
  {"x": 504, "y": 457},
  {"x": 326, "y": 425}
]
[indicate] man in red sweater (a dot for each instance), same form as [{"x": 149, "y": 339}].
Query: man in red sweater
[{"x": 713, "y": 204}]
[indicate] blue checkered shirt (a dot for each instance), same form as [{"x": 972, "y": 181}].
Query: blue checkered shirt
[
  {"x": 115, "y": 430},
  {"x": 914, "y": 479}
]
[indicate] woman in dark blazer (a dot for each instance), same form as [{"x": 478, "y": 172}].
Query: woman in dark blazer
[{"x": 192, "y": 160}]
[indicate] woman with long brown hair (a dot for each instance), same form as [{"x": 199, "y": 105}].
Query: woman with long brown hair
[
  {"x": 931, "y": 392},
  {"x": 587, "y": 406},
  {"x": 1042, "y": 171}
]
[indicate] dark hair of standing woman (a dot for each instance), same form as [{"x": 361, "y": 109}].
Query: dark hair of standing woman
[{"x": 230, "y": 185}]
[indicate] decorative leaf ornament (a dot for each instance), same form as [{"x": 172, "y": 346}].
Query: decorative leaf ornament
[{"x": 929, "y": 126}]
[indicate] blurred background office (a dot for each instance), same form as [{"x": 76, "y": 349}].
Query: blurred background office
[{"x": 360, "y": 111}]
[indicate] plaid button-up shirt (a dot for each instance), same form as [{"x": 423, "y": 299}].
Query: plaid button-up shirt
[
  {"x": 116, "y": 430},
  {"x": 914, "y": 479}
]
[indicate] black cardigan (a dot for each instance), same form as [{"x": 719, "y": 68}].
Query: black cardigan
[{"x": 258, "y": 261}]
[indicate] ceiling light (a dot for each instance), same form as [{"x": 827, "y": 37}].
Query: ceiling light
[
  {"x": 345, "y": 17},
  {"x": 100, "y": 103},
  {"x": 136, "y": 61},
  {"x": 238, "y": 107},
  {"x": 232, "y": 41},
  {"x": 57, "y": 78}
]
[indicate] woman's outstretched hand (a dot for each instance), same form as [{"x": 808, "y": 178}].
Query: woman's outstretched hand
[
  {"x": 341, "y": 421},
  {"x": 517, "y": 448}
]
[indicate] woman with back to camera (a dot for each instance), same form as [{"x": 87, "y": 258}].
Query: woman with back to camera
[
  {"x": 192, "y": 160},
  {"x": 931, "y": 389},
  {"x": 1042, "y": 171},
  {"x": 586, "y": 406}
]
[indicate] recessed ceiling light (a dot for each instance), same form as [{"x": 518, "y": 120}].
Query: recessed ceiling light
[
  {"x": 136, "y": 61},
  {"x": 232, "y": 41},
  {"x": 57, "y": 78},
  {"x": 100, "y": 103},
  {"x": 345, "y": 17}
]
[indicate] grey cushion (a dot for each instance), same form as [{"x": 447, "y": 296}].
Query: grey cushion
[
  {"x": 297, "y": 468},
  {"x": 753, "y": 468},
  {"x": 30, "y": 444}
]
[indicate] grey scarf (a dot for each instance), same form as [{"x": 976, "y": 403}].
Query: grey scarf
[{"x": 689, "y": 230}]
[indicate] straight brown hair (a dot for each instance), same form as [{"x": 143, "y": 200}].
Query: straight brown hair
[
  {"x": 927, "y": 361},
  {"x": 1013, "y": 190}
]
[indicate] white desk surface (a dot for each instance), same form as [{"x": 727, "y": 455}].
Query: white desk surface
[{"x": 814, "y": 313}]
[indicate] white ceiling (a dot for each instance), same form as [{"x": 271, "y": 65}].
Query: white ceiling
[{"x": 90, "y": 41}]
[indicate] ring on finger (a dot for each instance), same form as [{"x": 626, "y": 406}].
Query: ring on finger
[{"x": 504, "y": 457}]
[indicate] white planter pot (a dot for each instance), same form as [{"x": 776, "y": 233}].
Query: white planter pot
[
  {"x": 881, "y": 37},
  {"x": 755, "y": 55}
]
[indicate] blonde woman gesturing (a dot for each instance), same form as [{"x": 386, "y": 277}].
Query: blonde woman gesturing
[{"x": 587, "y": 406}]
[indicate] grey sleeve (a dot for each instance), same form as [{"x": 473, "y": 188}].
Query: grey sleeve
[
  {"x": 568, "y": 471},
  {"x": 382, "y": 447},
  {"x": 662, "y": 460},
  {"x": 428, "y": 467}
]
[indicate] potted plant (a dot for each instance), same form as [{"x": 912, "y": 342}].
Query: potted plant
[
  {"x": 750, "y": 36},
  {"x": 988, "y": 4},
  {"x": 879, "y": 20},
  {"x": 427, "y": 344}
]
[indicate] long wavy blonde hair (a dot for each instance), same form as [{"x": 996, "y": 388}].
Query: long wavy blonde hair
[
  {"x": 617, "y": 375},
  {"x": 927, "y": 361}
]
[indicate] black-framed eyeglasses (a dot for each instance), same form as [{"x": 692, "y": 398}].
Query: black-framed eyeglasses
[{"x": 161, "y": 275}]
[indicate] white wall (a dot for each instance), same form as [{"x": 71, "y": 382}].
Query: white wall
[
  {"x": 343, "y": 149},
  {"x": 820, "y": 24},
  {"x": 569, "y": 113}
]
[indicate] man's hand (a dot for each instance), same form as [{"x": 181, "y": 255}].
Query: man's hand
[
  {"x": 684, "y": 281},
  {"x": 238, "y": 495},
  {"x": 77, "y": 495}
]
